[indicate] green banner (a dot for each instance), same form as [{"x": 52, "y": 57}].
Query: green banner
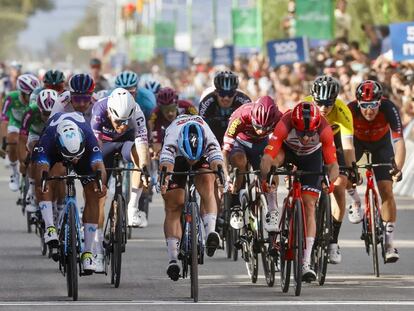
[
  {"x": 315, "y": 19},
  {"x": 141, "y": 47},
  {"x": 164, "y": 35},
  {"x": 247, "y": 27}
]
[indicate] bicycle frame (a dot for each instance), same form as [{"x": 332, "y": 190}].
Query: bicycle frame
[{"x": 370, "y": 187}]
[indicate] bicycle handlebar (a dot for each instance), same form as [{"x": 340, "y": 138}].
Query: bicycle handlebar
[
  {"x": 164, "y": 174},
  {"x": 97, "y": 176}
]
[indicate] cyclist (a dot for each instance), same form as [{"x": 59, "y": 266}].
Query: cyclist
[
  {"x": 189, "y": 142},
  {"x": 304, "y": 138},
  {"x": 69, "y": 137},
  {"x": 375, "y": 117},
  {"x": 244, "y": 142},
  {"x": 54, "y": 80},
  {"x": 119, "y": 126},
  {"x": 32, "y": 126},
  {"x": 152, "y": 85},
  {"x": 324, "y": 93},
  {"x": 145, "y": 98},
  {"x": 168, "y": 108},
  {"x": 15, "y": 105},
  {"x": 217, "y": 106},
  {"x": 81, "y": 87}
]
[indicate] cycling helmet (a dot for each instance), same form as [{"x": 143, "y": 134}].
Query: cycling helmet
[
  {"x": 167, "y": 96},
  {"x": 369, "y": 91},
  {"x": 46, "y": 99},
  {"x": 81, "y": 83},
  {"x": 325, "y": 90},
  {"x": 70, "y": 140},
  {"x": 27, "y": 83},
  {"x": 121, "y": 104},
  {"x": 264, "y": 113},
  {"x": 54, "y": 77},
  {"x": 152, "y": 85},
  {"x": 126, "y": 79},
  {"x": 306, "y": 117},
  {"x": 191, "y": 141},
  {"x": 226, "y": 81}
]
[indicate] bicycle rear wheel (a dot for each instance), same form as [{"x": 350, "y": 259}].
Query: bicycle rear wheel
[
  {"x": 298, "y": 247},
  {"x": 373, "y": 231},
  {"x": 267, "y": 260},
  {"x": 72, "y": 256},
  {"x": 116, "y": 258},
  {"x": 194, "y": 252},
  {"x": 285, "y": 263}
]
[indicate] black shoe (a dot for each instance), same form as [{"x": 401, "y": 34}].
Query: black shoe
[
  {"x": 173, "y": 270},
  {"x": 213, "y": 241}
]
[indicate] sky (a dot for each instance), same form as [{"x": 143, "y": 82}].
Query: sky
[{"x": 44, "y": 26}]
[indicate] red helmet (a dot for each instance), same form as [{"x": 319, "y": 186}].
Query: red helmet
[
  {"x": 306, "y": 117},
  {"x": 369, "y": 91},
  {"x": 265, "y": 113},
  {"x": 167, "y": 96}
]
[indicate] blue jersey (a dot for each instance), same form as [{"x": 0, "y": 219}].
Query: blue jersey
[
  {"x": 146, "y": 101},
  {"x": 46, "y": 152}
]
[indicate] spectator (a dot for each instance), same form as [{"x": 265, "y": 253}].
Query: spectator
[{"x": 100, "y": 82}]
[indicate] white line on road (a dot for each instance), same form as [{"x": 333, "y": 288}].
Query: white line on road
[{"x": 219, "y": 303}]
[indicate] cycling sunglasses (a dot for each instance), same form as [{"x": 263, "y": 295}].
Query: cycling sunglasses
[
  {"x": 223, "y": 93},
  {"x": 168, "y": 108},
  {"x": 302, "y": 134},
  {"x": 56, "y": 87},
  {"x": 323, "y": 103},
  {"x": 260, "y": 127},
  {"x": 80, "y": 98},
  {"x": 121, "y": 122},
  {"x": 369, "y": 105}
]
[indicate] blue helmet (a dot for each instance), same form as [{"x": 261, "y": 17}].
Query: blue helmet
[
  {"x": 152, "y": 85},
  {"x": 191, "y": 141},
  {"x": 126, "y": 79},
  {"x": 81, "y": 83}
]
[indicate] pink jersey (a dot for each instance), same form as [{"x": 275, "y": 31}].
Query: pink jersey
[{"x": 241, "y": 129}]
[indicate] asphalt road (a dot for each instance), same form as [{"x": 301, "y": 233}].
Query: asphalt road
[{"x": 30, "y": 281}]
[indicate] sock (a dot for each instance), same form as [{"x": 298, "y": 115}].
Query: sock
[
  {"x": 336, "y": 227},
  {"x": 308, "y": 250},
  {"x": 389, "y": 234},
  {"x": 46, "y": 208},
  {"x": 14, "y": 167},
  {"x": 89, "y": 232},
  {"x": 355, "y": 196},
  {"x": 209, "y": 221},
  {"x": 173, "y": 245},
  {"x": 99, "y": 242},
  {"x": 134, "y": 199}
]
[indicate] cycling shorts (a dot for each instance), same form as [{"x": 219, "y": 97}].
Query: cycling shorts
[
  {"x": 253, "y": 154},
  {"x": 181, "y": 165}
]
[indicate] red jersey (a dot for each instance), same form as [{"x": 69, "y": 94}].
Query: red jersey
[
  {"x": 241, "y": 129},
  {"x": 388, "y": 118},
  {"x": 285, "y": 133},
  {"x": 159, "y": 123}
]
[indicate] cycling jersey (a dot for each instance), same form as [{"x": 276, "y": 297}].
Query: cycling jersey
[
  {"x": 32, "y": 121},
  {"x": 340, "y": 118},
  {"x": 241, "y": 129},
  {"x": 14, "y": 109},
  {"x": 46, "y": 152},
  {"x": 285, "y": 133},
  {"x": 217, "y": 117},
  {"x": 169, "y": 152},
  {"x": 64, "y": 105},
  {"x": 159, "y": 123},
  {"x": 387, "y": 118},
  {"x": 103, "y": 129}
]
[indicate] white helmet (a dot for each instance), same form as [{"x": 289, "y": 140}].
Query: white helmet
[
  {"x": 70, "y": 140},
  {"x": 27, "y": 83},
  {"x": 46, "y": 100},
  {"x": 121, "y": 104}
]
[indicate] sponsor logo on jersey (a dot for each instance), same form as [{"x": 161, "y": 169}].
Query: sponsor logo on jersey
[{"x": 233, "y": 127}]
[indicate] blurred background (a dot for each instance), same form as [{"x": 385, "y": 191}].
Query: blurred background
[{"x": 276, "y": 46}]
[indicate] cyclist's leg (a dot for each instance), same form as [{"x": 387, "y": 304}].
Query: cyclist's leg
[
  {"x": 13, "y": 154},
  {"x": 354, "y": 211},
  {"x": 22, "y": 150},
  {"x": 138, "y": 218},
  {"x": 31, "y": 142}
]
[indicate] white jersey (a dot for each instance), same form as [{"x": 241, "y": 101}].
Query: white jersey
[
  {"x": 64, "y": 105},
  {"x": 170, "y": 150}
]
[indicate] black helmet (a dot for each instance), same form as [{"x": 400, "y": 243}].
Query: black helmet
[
  {"x": 325, "y": 90},
  {"x": 54, "y": 77},
  {"x": 226, "y": 81}
]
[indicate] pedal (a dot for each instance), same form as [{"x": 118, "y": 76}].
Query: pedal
[
  {"x": 54, "y": 250},
  {"x": 238, "y": 244}
]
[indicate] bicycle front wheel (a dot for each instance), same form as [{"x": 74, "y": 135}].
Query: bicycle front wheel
[
  {"x": 194, "y": 252},
  {"x": 285, "y": 262},
  {"x": 324, "y": 225},
  {"x": 373, "y": 223},
  {"x": 116, "y": 258},
  {"x": 72, "y": 256},
  {"x": 298, "y": 247}
]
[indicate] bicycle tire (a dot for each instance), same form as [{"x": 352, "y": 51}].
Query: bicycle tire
[
  {"x": 43, "y": 245},
  {"x": 373, "y": 232},
  {"x": 194, "y": 252},
  {"x": 235, "y": 236},
  {"x": 252, "y": 255},
  {"x": 72, "y": 256},
  {"x": 117, "y": 246},
  {"x": 324, "y": 237},
  {"x": 228, "y": 237},
  {"x": 298, "y": 246},
  {"x": 285, "y": 264},
  {"x": 267, "y": 260}
]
